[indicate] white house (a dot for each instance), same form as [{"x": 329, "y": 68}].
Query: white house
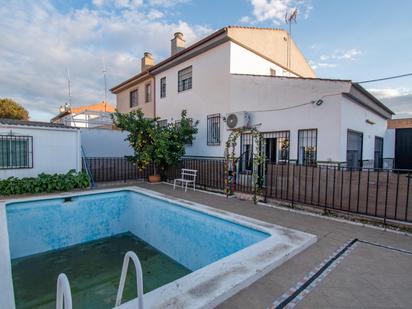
[
  {"x": 254, "y": 76},
  {"x": 28, "y": 148},
  {"x": 90, "y": 116}
]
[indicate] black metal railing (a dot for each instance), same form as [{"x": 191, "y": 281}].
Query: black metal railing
[
  {"x": 210, "y": 172},
  {"x": 383, "y": 193},
  {"x": 104, "y": 169},
  {"x": 379, "y": 192}
]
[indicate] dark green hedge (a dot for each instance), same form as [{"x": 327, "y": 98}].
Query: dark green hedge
[{"x": 44, "y": 183}]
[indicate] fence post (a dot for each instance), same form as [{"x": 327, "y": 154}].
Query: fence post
[
  {"x": 293, "y": 184},
  {"x": 386, "y": 196}
]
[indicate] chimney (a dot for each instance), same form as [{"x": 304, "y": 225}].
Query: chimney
[
  {"x": 147, "y": 61},
  {"x": 178, "y": 43}
]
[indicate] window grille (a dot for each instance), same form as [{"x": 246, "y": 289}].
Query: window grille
[
  {"x": 307, "y": 146},
  {"x": 163, "y": 87},
  {"x": 16, "y": 152},
  {"x": 162, "y": 123},
  {"x": 213, "y": 130}
]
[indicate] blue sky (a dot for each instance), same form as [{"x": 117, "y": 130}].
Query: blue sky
[{"x": 40, "y": 40}]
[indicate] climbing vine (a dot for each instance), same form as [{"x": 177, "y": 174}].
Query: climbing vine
[{"x": 230, "y": 161}]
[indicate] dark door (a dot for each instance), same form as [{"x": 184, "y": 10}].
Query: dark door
[
  {"x": 378, "y": 157},
  {"x": 354, "y": 149},
  {"x": 403, "y": 148},
  {"x": 271, "y": 150}
]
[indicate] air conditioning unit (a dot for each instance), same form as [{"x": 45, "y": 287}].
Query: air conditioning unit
[{"x": 238, "y": 120}]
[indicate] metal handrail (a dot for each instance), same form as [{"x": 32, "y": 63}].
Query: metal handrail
[
  {"x": 88, "y": 171},
  {"x": 63, "y": 294},
  {"x": 139, "y": 278}
]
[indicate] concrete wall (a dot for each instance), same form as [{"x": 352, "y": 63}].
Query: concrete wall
[
  {"x": 105, "y": 143},
  {"x": 272, "y": 44},
  {"x": 123, "y": 99},
  {"x": 243, "y": 61},
  {"x": 55, "y": 150}
]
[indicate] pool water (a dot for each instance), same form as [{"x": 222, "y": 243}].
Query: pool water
[{"x": 93, "y": 269}]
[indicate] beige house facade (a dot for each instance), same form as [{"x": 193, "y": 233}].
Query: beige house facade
[{"x": 138, "y": 91}]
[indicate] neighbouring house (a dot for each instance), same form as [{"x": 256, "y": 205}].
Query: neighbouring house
[
  {"x": 400, "y": 134},
  {"x": 137, "y": 91},
  {"x": 247, "y": 76},
  {"x": 91, "y": 116},
  {"x": 28, "y": 148}
]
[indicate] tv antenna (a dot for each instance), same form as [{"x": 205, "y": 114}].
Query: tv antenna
[
  {"x": 105, "y": 81},
  {"x": 68, "y": 87},
  {"x": 289, "y": 19}
]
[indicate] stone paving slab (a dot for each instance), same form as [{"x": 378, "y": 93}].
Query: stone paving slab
[{"x": 369, "y": 277}]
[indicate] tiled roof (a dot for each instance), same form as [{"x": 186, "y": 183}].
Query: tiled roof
[
  {"x": 256, "y": 28},
  {"x": 98, "y": 107},
  {"x": 15, "y": 122}
]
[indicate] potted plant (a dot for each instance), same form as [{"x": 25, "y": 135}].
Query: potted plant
[{"x": 155, "y": 146}]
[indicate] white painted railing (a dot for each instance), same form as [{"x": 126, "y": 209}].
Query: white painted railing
[
  {"x": 64, "y": 294},
  {"x": 139, "y": 278}
]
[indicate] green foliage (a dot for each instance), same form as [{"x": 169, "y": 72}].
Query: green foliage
[
  {"x": 161, "y": 146},
  {"x": 12, "y": 110},
  {"x": 44, "y": 183}
]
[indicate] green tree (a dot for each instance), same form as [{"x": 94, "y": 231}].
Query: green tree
[
  {"x": 12, "y": 110},
  {"x": 161, "y": 146}
]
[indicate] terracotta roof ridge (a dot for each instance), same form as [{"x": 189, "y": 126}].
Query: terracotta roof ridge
[{"x": 256, "y": 28}]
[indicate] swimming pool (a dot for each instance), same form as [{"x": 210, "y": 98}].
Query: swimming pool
[{"x": 224, "y": 251}]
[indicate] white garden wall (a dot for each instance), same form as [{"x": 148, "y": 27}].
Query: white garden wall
[
  {"x": 105, "y": 143},
  {"x": 55, "y": 150}
]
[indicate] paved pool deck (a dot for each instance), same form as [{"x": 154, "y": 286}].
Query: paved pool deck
[{"x": 364, "y": 276}]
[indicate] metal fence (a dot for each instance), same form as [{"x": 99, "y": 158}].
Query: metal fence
[
  {"x": 383, "y": 193},
  {"x": 377, "y": 192},
  {"x": 113, "y": 169}
]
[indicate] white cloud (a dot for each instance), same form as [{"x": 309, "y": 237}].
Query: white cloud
[
  {"x": 166, "y": 3},
  {"x": 275, "y": 10},
  {"x": 33, "y": 62},
  {"x": 350, "y": 54},
  {"x": 336, "y": 57},
  {"x": 245, "y": 19},
  {"x": 155, "y": 14},
  {"x": 325, "y": 65},
  {"x": 397, "y": 99},
  {"x": 387, "y": 93},
  {"x": 339, "y": 54}
]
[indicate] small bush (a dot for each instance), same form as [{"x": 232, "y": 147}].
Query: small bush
[{"x": 44, "y": 183}]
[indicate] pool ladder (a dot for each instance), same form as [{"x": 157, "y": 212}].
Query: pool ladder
[
  {"x": 64, "y": 295},
  {"x": 130, "y": 255}
]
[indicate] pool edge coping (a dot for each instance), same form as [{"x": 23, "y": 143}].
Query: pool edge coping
[{"x": 182, "y": 290}]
